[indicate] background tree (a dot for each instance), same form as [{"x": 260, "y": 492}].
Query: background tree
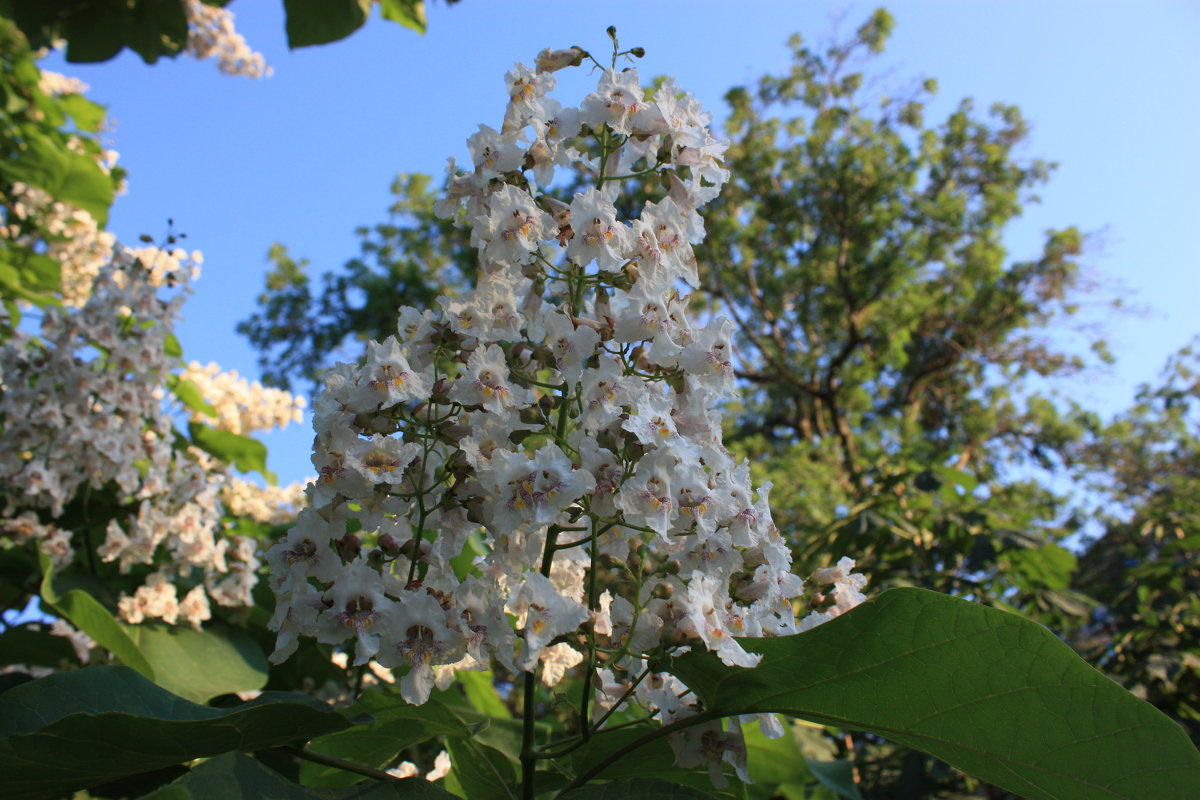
[
  {"x": 886, "y": 336},
  {"x": 1143, "y": 470}
]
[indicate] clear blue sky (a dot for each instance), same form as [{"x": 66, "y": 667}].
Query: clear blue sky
[{"x": 307, "y": 155}]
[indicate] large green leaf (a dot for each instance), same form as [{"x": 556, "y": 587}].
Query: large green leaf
[
  {"x": 234, "y": 776},
  {"x": 245, "y": 453},
  {"x": 395, "y": 724},
  {"x": 88, "y": 615},
  {"x": 773, "y": 762},
  {"x": 154, "y": 28},
  {"x": 987, "y": 691},
  {"x": 88, "y": 116},
  {"x": 200, "y": 665},
  {"x": 68, "y": 176},
  {"x": 190, "y": 395},
  {"x": 320, "y": 21},
  {"x": 482, "y": 772},
  {"x": 33, "y": 646},
  {"x": 72, "y": 730},
  {"x": 480, "y": 689}
]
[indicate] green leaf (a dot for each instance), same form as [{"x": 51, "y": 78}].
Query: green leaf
[
  {"x": 153, "y": 28},
  {"x": 312, "y": 22},
  {"x": 200, "y": 665},
  {"x": 244, "y": 452},
  {"x": 234, "y": 776},
  {"x": 773, "y": 762},
  {"x": 483, "y": 772},
  {"x": 73, "y": 730},
  {"x": 41, "y": 273},
  {"x": 837, "y": 776},
  {"x": 642, "y": 789},
  {"x": 68, "y": 176},
  {"x": 29, "y": 644},
  {"x": 88, "y": 615},
  {"x": 480, "y": 688},
  {"x": 190, "y": 395},
  {"x": 654, "y": 759},
  {"x": 1049, "y": 565},
  {"x": 989, "y": 692},
  {"x": 409, "y": 13},
  {"x": 172, "y": 347},
  {"x": 88, "y": 116},
  {"x": 94, "y": 32},
  {"x": 396, "y": 724},
  {"x": 30, "y": 276}
]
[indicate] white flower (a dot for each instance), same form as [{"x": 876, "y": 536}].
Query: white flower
[
  {"x": 381, "y": 459},
  {"x": 571, "y": 345},
  {"x": 485, "y": 382},
  {"x": 598, "y": 236},
  {"x": 494, "y": 153},
  {"x": 513, "y": 227},
  {"x": 532, "y": 490},
  {"x": 418, "y": 636},
  {"x": 615, "y": 102},
  {"x": 544, "y": 615}
]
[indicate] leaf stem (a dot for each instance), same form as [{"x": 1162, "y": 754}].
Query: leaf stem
[
  {"x": 619, "y": 753},
  {"x": 340, "y": 763}
]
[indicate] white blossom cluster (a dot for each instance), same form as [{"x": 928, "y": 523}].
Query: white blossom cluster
[
  {"x": 81, "y": 411},
  {"x": 71, "y": 236},
  {"x": 242, "y": 406},
  {"x": 211, "y": 35},
  {"x": 273, "y": 505},
  {"x": 559, "y": 421}
]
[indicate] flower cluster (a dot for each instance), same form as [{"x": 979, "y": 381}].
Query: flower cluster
[
  {"x": 241, "y": 406},
  {"x": 82, "y": 411},
  {"x": 533, "y": 475},
  {"x": 211, "y": 34}
]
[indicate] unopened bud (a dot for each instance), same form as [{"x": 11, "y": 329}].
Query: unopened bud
[
  {"x": 456, "y": 433},
  {"x": 389, "y": 545},
  {"x": 553, "y": 60},
  {"x": 347, "y": 547}
]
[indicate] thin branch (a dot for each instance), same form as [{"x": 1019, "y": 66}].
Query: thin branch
[{"x": 340, "y": 763}]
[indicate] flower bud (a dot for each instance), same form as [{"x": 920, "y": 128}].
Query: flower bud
[
  {"x": 389, "y": 545},
  {"x": 553, "y": 60},
  {"x": 347, "y": 547}
]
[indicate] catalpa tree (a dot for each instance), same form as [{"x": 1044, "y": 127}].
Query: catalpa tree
[{"x": 528, "y": 567}]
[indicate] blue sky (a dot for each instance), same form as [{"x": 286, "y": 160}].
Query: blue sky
[{"x": 307, "y": 155}]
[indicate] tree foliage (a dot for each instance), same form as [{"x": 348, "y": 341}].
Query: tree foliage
[{"x": 97, "y": 30}]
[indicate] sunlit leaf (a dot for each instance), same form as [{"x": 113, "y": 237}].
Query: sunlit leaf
[{"x": 987, "y": 691}]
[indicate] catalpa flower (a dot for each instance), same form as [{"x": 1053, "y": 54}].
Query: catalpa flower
[{"x": 540, "y": 460}]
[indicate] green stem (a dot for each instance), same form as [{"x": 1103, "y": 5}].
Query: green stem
[
  {"x": 340, "y": 763},
  {"x": 585, "y": 725},
  {"x": 529, "y": 701},
  {"x": 619, "y": 753},
  {"x": 528, "y": 754}
]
